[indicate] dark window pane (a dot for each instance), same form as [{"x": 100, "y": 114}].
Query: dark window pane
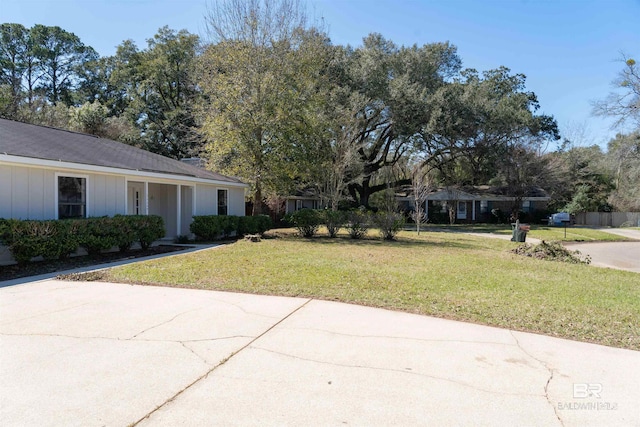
[
  {"x": 72, "y": 196},
  {"x": 222, "y": 202}
]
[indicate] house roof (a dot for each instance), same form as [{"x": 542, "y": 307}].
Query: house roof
[
  {"x": 41, "y": 142},
  {"x": 479, "y": 192},
  {"x": 485, "y": 192}
]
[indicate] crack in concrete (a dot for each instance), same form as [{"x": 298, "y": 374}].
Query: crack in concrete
[
  {"x": 551, "y": 373},
  {"x": 222, "y": 362},
  {"x": 402, "y": 371},
  {"x": 166, "y": 321},
  {"x": 205, "y": 361}
]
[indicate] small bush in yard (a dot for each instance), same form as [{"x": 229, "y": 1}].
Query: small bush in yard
[
  {"x": 307, "y": 221},
  {"x": 552, "y": 251},
  {"x": 358, "y": 223},
  {"x": 334, "y": 221},
  {"x": 389, "y": 223}
]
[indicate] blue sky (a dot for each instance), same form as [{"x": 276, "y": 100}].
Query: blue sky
[{"x": 568, "y": 49}]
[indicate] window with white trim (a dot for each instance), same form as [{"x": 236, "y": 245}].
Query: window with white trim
[
  {"x": 222, "y": 202},
  {"x": 72, "y": 197}
]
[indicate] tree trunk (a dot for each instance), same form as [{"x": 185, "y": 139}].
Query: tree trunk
[{"x": 257, "y": 200}]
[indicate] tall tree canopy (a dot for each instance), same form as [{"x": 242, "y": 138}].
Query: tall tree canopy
[
  {"x": 160, "y": 91},
  {"x": 268, "y": 98},
  {"x": 258, "y": 78},
  {"x": 395, "y": 86},
  {"x": 484, "y": 128}
]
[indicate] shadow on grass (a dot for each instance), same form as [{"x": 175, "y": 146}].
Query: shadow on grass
[{"x": 372, "y": 241}]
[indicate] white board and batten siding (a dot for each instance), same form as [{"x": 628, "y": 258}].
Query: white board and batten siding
[
  {"x": 30, "y": 193},
  {"x": 207, "y": 200}
]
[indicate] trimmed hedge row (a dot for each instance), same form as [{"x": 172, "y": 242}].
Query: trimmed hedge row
[
  {"x": 357, "y": 222},
  {"x": 212, "y": 227},
  {"x": 57, "y": 239}
]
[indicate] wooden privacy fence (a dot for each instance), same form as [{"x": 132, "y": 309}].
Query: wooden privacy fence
[{"x": 608, "y": 219}]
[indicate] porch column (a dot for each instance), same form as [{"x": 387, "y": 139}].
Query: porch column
[
  {"x": 193, "y": 201},
  {"x": 146, "y": 198},
  {"x": 473, "y": 210},
  {"x": 179, "y": 210}
]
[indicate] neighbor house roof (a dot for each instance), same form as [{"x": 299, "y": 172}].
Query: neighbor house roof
[
  {"x": 41, "y": 142},
  {"x": 478, "y": 192},
  {"x": 485, "y": 192}
]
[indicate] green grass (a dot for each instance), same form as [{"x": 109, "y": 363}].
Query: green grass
[
  {"x": 542, "y": 232},
  {"x": 449, "y": 275}
]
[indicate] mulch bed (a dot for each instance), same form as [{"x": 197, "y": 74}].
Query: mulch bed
[{"x": 9, "y": 272}]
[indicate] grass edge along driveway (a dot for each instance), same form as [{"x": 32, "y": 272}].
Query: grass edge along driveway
[
  {"x": 448, "y": 275},
  {"x": 542, "y": 232}
]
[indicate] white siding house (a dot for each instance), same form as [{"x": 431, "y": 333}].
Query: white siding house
[{"x": 48, "y": 173}]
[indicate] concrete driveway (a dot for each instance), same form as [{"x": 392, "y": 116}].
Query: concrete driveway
[
  {"x": 618, "y": 255},
  {"x": 96, "y": 354}
]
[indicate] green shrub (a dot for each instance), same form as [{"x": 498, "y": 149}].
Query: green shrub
[
  {"x": 229, "y": 224},
  {"x": 49, "y": 239},
  {"x": 66, "y": 237},
  {"x": 358, "y": 223},
  {"x": 334, "y": 221},
  {"x": 55, "y": 239},
  {"x": 307, "y": 221},
  {"x": 212, "y": 227},
  {"x": 206, "y": 227},
  {"x": 148, "y": 229},
  {"x": 127, "y": 235},
  {"x": 438, "y": 217},
  {"x": 253, "y": 224},
  {"x": 181, "y": 239},
  {"x": 263, "y": 222},
  {"x": 97, "y": 234},
  {"x": 4, "y": 229},
  {"x": 389, "y": 224},
  {"x": 247, "y": 225}
]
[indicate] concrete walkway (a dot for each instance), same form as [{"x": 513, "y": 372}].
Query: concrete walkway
[
  {"x": 190, "y": 248},
  {"x": 95, "y": 354}
]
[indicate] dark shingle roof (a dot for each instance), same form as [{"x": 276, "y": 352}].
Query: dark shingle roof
[{"x": 41, "y": 142}]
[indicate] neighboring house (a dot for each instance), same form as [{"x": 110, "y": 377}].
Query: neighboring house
[
  {"x": 48, "y": 173},
  {"x": 302, "y": 199},
  {"x": 474, "y": 204}
]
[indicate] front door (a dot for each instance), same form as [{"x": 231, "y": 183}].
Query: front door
[
  {"x": 135, "y": 198},
  {"x": 462, "y": 210}
]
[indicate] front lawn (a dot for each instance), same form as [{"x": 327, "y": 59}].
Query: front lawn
[
  {"x": 450, "y": 275},
  {"x": 542, "y": 232}
]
